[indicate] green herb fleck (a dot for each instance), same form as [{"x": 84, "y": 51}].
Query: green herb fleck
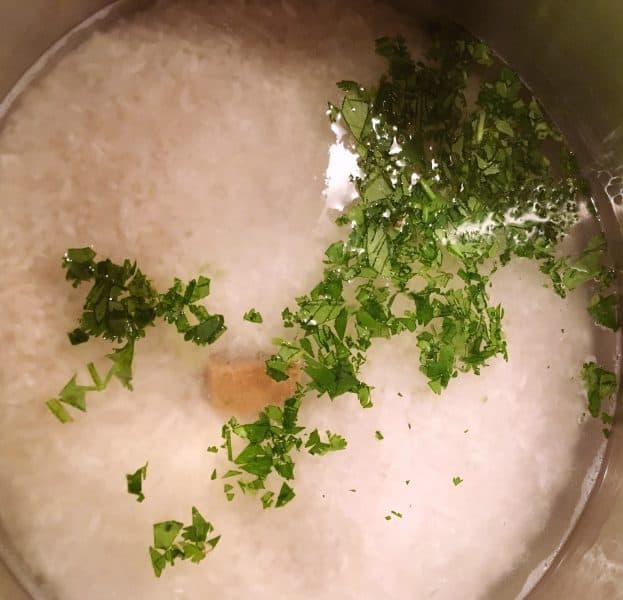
[
  {"x": 599, "y": 385},
  {"x": 316, "y": 446},
  {"x": 604, "y": 310},
  {"x": 253, "y": 316},
  {"x": 267, "y": 499},
  {"x": 269, "y": 444},
  {"x": 135, "y": 482},
  {"x": 58, "y": 410},
  {"x": 228, "y": 490},
  {"x": 231, "y": 473},
  {"x": 120, "y": 305},
  {"x": 285, "y": 495},
  {"x": 174, "y": 541},
  {"x": 457, "y": 480}
]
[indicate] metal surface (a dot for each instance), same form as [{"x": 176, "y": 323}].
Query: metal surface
[
  {"x": 571, "y": 55},
  {"x": 28, "y": 29}
]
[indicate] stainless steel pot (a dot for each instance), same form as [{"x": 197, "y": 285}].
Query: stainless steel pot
[{"x": 571, "y": 55}]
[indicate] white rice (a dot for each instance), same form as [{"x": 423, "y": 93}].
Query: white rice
[{"x": 193, "y": 138}]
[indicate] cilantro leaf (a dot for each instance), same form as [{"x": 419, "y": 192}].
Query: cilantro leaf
[
  {"x": 199, "y": 529},
  {"x": 172, "y": 541},
  {"x": 179, "y": 302},
  {"x": 286, "y": 494},
  {"x": 316, "y": 446},
  {"x": 267, "y": 499},
  {"x": 228, "y": 491},
  {"x": 121, "y": 302},
  {"x": 135, "y": 482},
  {"x": 587, "y": 266},
  {"x": 74, "y": 394},
  {"x": 158, "y": 560},
  {"x": 122, "y": 363},
  {"x": 77, "y": 336},
  {"x": 120, "y": 305},
  {"x": 201, "y": 289},
  {"x": 377, "y": 248},
  {"x": 599, "y": 385},
  {"x": 253, "y": 316},
  {"x": 79, "y": 265},
  {"x": 604, "y": 310},
  {"x": 165, "y": 533}
]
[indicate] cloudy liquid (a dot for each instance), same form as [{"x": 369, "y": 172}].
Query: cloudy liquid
[{"x": 193, "y": 138}]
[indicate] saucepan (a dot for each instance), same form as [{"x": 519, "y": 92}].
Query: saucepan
[{"x": 571, "y": 55}]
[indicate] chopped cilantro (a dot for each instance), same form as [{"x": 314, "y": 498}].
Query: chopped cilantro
[
  {"x": 253, "y": 316},
  {"x": 228, "y": 490},
  {"x": 599, "y": 385},
  {"x": 212, "y": 449},
  {"x": 122, "y": 364},
  {"x": 59, "y": 411},
  {"x": 396, "y": 514},
  {"x": 179, "y": 302},
  {"x": 604, "y": 310},
  {"x": 457, "y": 480},
  {"x": 267, "y": 499},
  {"x": 135, "y": 482},
  {"x": 172, "y": 541},
  {"x": 607, "y": 419},
  {"x": 119, "y": 307},
  {"x": 378, "y": 435},
  {"x": 286, "y": 493},
  {"x": 586, "y": 267},
  {"x": 316, "y": 446},
  {"x": 231, "y": 473},
  {"x": 269, "y": 443},
  {"x": 429, "y": 178}
]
